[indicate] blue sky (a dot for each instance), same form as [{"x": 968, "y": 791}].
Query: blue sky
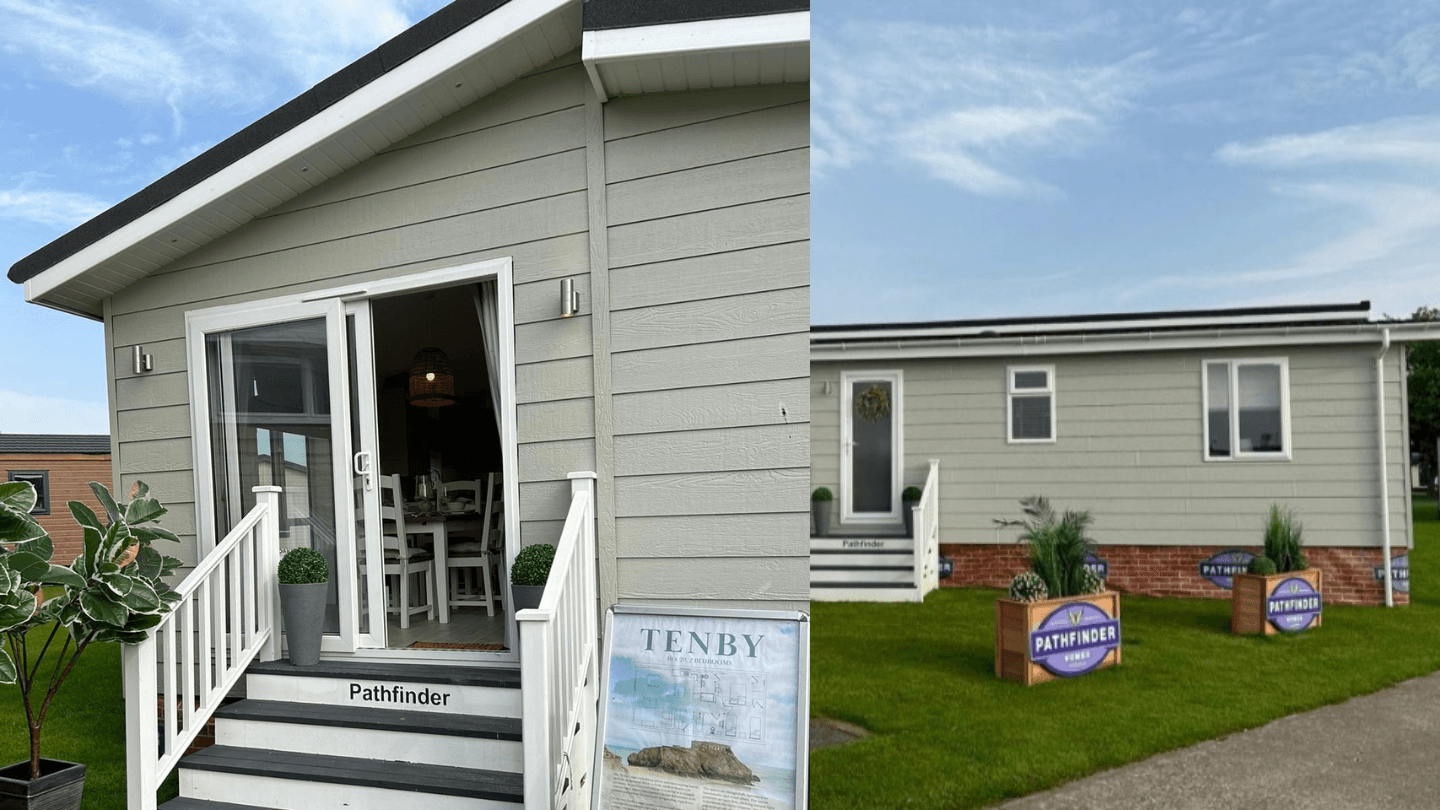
[
  {"x": 1003, "y": 159},
  {"x": 97, "y": 100}
]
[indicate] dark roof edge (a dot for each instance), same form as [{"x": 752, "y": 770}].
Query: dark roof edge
[
  {"x": 390, "y": 55},
  {"x": 78, "y": 444},
  {"x": 1307, "y": 309},
  {"x": 602, "y": 15}
]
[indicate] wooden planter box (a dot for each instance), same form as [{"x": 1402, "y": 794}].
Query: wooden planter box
[
  {"x": 1015, "y": 621},
  {"x": 1250, "y": 593}
]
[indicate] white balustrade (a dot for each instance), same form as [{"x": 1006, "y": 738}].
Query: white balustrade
[
  {"x": 927, "y": 533},
  {"x": 559, "y": 666},
  {"x": 227, "y": 616}
]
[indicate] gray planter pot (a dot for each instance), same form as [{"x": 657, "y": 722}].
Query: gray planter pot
[
  {"x": 303, "y": 607},
  {"x": 907, "y": 508},
  {"x": 821, "y": 512},
  {"x": 59, "y": 787},
  {"x": 527, "y": 596}
]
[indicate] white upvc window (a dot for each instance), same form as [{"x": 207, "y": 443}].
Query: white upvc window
[
  {"x": 1247, "y": 409},
  {"x": 1030, "y": 404}
]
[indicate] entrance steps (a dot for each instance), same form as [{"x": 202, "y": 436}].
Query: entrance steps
[
  {"x": 362, "y": 736},
  {"x": 872, "y": 567}
]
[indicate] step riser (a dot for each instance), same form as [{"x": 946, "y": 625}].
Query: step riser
[
  {"x": 484, "y": 701},
  {"x": 862, "y": 560},
  {"x": 366, "y": 743},
  {"x": 862, "y": 544},
  {"x": 864, "y": 595},
  {"x": 864, "y": 575},
  {"x": 294, "y": 794}
]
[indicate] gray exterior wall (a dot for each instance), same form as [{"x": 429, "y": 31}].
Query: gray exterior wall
[
  {"x": 1130, "y": 447},
  {"x": 511, "y": 176}
]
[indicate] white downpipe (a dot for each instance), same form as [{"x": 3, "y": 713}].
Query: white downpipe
[{"x": 1384, "y": 468}]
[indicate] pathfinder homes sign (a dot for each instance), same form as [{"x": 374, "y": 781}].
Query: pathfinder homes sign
[
  {"x": 1097, "y": 565},
  {"x": 1074, "y": 639},
  {"x": 1399, "y": 573},
  {"x": 1293, "y": 605},
  {"x": 1220, "y": 568}
]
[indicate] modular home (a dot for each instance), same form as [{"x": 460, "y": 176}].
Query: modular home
[
  {"x": 60, "y": 467},
  {"x": 534, "y": 271},
  {"x": 1176, "y": 430}
]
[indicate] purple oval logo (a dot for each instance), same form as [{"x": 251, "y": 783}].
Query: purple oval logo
[
  {"x": 1293, "y": 605},
  {"x": 1220, "y": 568},
  {"x": 1399, "y": 573},
  {"x": 1074, "y": 639}
]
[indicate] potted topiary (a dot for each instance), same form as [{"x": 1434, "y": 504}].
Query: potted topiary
[
  {"x": 820, "y": 502},
  {"x": 909, "y": 498},
  {"x": 304, "y": 585},
  {"x": 1059, "y": 620},
  {"x": 528, "y": 574},
  {"x": 1281, "y": 592},
  {"x": 113, "y": 592}
]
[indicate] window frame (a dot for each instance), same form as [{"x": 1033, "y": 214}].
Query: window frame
[
  {"x": 1233, "y": 365},
  {"x": 1011, "y": 392},
  {"x": 42, "y": 504}
]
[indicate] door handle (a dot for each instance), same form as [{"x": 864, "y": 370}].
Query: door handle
[{"x": 362, "y": 466}]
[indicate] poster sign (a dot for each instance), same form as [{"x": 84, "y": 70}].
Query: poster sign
[
  {"x": 1220, "y": 568},
  {"x": 1074, "y": 639},
  {"x": 1293, "y": 605},
  {"x": 1399, "y": 573},
  {"x": 1097, "y": 565},
  {"x": 703, "y": 710}
]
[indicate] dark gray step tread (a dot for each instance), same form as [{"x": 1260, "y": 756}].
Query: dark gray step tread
[
  {"x": 416, "y": 777},
  {"x": 500, "y": 677},
  {"x": 183, "y": 803},
  {"x": 862, "y": 568},
  {"x": 410, "y": 721},
  {"x": 903, "y": 585}
]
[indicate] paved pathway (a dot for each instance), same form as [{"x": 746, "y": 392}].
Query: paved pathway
[{"x": 1379, "y": 751}]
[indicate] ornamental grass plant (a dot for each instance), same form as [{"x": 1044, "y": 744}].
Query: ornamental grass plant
[
  {"x": 1283, "y": 537},
  {"x": 1058, "y": 545}
]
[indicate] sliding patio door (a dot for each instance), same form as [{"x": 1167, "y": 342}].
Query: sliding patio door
[{"x": 278, "y": 403}]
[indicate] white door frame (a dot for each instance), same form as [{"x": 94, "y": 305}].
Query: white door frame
[
  {"x": 502, "y": 271},
  {"x": 897, "y": 438}
]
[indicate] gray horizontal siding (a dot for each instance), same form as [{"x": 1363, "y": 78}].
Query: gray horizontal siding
[{"x": 1129, "y": 447}]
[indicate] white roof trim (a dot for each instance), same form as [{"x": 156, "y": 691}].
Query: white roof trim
[
  {"x": 425, "y": 67},
  {"x": 766, "y": 31},
  {"x": 1045, "y": 345}
]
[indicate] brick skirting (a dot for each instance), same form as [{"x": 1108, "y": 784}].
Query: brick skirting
[{"x": 1175, "y": 570}]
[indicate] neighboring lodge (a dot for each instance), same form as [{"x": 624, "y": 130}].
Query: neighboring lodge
[
  {"x": 1176, "y": 430},
  {"x": 61, "y": 468}
]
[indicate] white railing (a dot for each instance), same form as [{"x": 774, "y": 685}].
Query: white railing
[
  {"x": 227, "y": 616},
  {"x": 559, "y": 666},
  {"x": 927, "y": 533}
]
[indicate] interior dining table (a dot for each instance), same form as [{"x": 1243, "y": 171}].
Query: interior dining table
[{"x": 439, "y": 525}]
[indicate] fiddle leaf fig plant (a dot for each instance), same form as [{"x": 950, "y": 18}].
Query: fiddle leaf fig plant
[{"x": 114, "y": 591}]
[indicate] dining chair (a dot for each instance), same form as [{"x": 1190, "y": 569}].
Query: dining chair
[
  {"x": 473, "y": 552},
  {"x": 402, "y": 561}
]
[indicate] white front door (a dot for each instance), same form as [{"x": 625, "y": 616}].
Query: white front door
[
  {"x": 871, "y": 446},
  {"x": 272, "y": 391}
]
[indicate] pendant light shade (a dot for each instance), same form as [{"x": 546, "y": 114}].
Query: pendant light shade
[{"x": 432, "y": 382}]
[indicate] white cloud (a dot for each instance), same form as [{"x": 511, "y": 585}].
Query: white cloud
[
  {"x": 26, "y": 413},
  {"x": 1406, "y": 141},
  {"x": 964, "y": 106},
  {"x": 64, "y": 209}
]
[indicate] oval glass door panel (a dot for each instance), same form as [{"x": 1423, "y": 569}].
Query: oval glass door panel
[
  {"x": 270, "y": 425},
  {"x": 872, "y": 456}
]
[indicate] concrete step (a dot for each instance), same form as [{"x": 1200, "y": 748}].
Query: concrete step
[
  {"x": 402, "y": 735},
  {"x": 895, "y": 576},
  {"x": 861, "y": 559},
  {"x": 828, "y": 544},
  {"x": 287, "y": 780},
  {"x": 861, "y": 592},
  {"x": 473, "y": 691}
]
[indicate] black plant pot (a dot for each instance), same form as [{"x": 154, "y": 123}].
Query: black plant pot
[
  {"x": 908, "y": 509},
  {"x": 527, "y": 596},
  {"x": 303, "y": 607},
  {"x": 59, "y": 787},
  {"x": 821, "y": 512}
]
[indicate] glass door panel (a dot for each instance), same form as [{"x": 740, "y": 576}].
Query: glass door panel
[{"x": 870, "y": 463}]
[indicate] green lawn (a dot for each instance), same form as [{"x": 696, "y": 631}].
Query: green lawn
[{"x": 947, "y": 734}]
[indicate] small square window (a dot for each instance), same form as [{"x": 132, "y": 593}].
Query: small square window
[
  {"x": 1030, "y": 404},
  {"x": 1247, "y": 409},
  {"x": 41, "y": 480}
]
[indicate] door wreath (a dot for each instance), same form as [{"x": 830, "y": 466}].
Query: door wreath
[{"x": 872, "y": 403}]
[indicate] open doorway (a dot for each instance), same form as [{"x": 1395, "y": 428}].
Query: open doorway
[{"x": 439, "y": 445}]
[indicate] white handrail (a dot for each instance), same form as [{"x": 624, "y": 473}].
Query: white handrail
[
  {"x": 227, "y": 616},
  {"x": 559, "y": 666},
  {"x": 927, "y": 534}
]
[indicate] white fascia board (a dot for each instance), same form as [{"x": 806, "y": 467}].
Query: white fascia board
[
  {"x": 1031, "y": 328},
  {"x": 1139, "y": 342},
  {"x": 427, "y": 66},
  {"x": 691, "y": 38}
]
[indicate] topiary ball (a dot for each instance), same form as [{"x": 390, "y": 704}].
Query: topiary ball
[
  {"x": 1264, "y": 566},
  {"x": 303, "y": 566},
  {"x": 911, "y": 494},
  {"x": 532, "y": 565},
  {"x": 1028, "y": 587},
  {"x": 822, "y": 495}
]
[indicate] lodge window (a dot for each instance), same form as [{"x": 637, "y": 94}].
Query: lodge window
[
  {"x": 1247, "y": 409},
  {"x": 41, "y": 480},
  {"x": 1030, "y": 404}
]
